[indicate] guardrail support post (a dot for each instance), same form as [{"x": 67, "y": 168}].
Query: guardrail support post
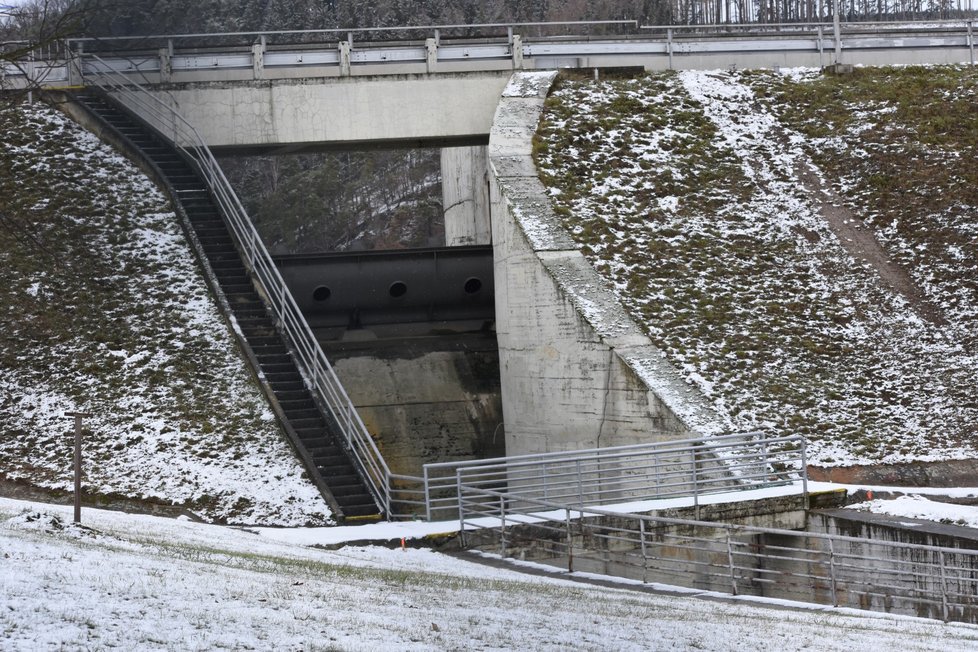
[
  {"x": 517, "y": 52},
  {"x": 345, "y": 68},
  {"x": 431, "y": 54},
  {"x": 669, "y": 46},
  {"x": 836, "y": 31},
  {"x": 258, "y": 58},
  {"x": 971, "y": 41},
  {"x": 696, "y": 486},
  {"x": 166, "y": 65},
  {"x": 821, "y": 47}
]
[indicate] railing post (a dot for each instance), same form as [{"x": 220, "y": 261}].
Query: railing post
[
  {"x": 502, "y": 527},
  {"x": 821, "y": 46},
  {"x": 461, "y": 508},
  {"x": 258, "y": 58},
  {"x": 832, "y": 584},
  {"x": 836, "y": 31},
  {"x": 431, "y": 55},
  {"x": 345, "y": 67},
  {"x": 971, "y": 41},
  {"x": 669, "y": 46},
  {"x": 427, "y": 495},
  {"x": 645, "y": 558},
  {"x": 166, "y": 65},
  {"x": 580, "y": 487},
  {"x": 570, "y": 543},
  {"x": 546, "y": 489},
  {"x": 517, "y": 52},
  {"x": 943, "y": 586},
  {"x": 730, "y": 563},
  {"x": 696, "y": 485},
  {"x": 804, "y": 472}
]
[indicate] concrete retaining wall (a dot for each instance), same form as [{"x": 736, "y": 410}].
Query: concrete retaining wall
[
  {"x": 576, "y": 371},
  {"x": 427, "y": 406}
]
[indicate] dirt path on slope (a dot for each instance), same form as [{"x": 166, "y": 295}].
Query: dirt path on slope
[{"x": 860, "y": 242}]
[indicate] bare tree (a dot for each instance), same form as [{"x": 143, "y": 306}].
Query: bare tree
[{"x": 34, "y": 32}]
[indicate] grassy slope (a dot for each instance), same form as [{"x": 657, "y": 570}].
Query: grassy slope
[
  {"x": 104, "y": 310},
  {"x": 691, "y": 207}
]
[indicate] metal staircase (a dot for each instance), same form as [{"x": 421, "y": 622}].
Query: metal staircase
[{"x": 314, "y": 432}]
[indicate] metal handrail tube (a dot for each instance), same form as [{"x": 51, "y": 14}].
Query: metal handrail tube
[
  {"x": 514, "y": 459},
  {"x": 593, "y": 456},
  {"x": 313, "y": 363}
]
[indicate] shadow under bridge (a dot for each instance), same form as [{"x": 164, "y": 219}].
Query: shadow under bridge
[{"x": 393, "y": 294}]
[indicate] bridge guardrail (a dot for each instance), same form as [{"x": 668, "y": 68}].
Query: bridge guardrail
[
  {"x": 156, "y": 56},
  {"x": 844, "y": 571},
  {"x": 311, "y": 360}
]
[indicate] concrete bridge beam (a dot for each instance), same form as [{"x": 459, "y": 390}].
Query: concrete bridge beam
[{"x": 339, "y": 112}]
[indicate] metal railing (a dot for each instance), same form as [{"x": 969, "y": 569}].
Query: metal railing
[
  {"x": 844, "y": 571},
  {"x": 309, "y": 356},
  {"x": 602, "y": 476}
]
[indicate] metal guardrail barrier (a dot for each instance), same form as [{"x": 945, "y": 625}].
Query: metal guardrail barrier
[
  {"x": 311, "y": 360},
  {"x": 874, "y": 574},
  {"x": 159, "y": 58}
]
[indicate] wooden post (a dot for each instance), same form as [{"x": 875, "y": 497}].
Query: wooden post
[{"x": 77, "y": 460}]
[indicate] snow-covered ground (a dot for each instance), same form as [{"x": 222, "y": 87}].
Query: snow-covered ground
[
  {"x": 106, "y": 312},
  {"x": 709, "y": 219},
  {"x": 140, "y": 582},
  {"x": 919, "y": 506}
]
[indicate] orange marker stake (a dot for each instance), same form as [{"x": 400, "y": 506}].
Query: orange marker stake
[
  {"x": 869, "y": 494},
  {"x": 403, "y": 544}
]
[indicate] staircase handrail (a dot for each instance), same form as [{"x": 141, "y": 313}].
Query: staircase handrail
[{"x": 312, "y": 361}]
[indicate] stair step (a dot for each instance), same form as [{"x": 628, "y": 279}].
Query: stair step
[
  {"x": 293, "y": 397},
  {"x": 287, "y": 382},
  {"x": 319, "y": 445},
  {"x": 353, "y": 489},
  {"x": 272, "y": 368},
  {"x": 368, "y": 511},
  {"x": 307, "y": 423},
  {"x": 268, "y": 355},
  {"x": 334, "y": 471},
  {"x": 265, "y": 340}
]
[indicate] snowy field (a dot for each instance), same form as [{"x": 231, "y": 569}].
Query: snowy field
[{"x": 148, "y": 583}]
